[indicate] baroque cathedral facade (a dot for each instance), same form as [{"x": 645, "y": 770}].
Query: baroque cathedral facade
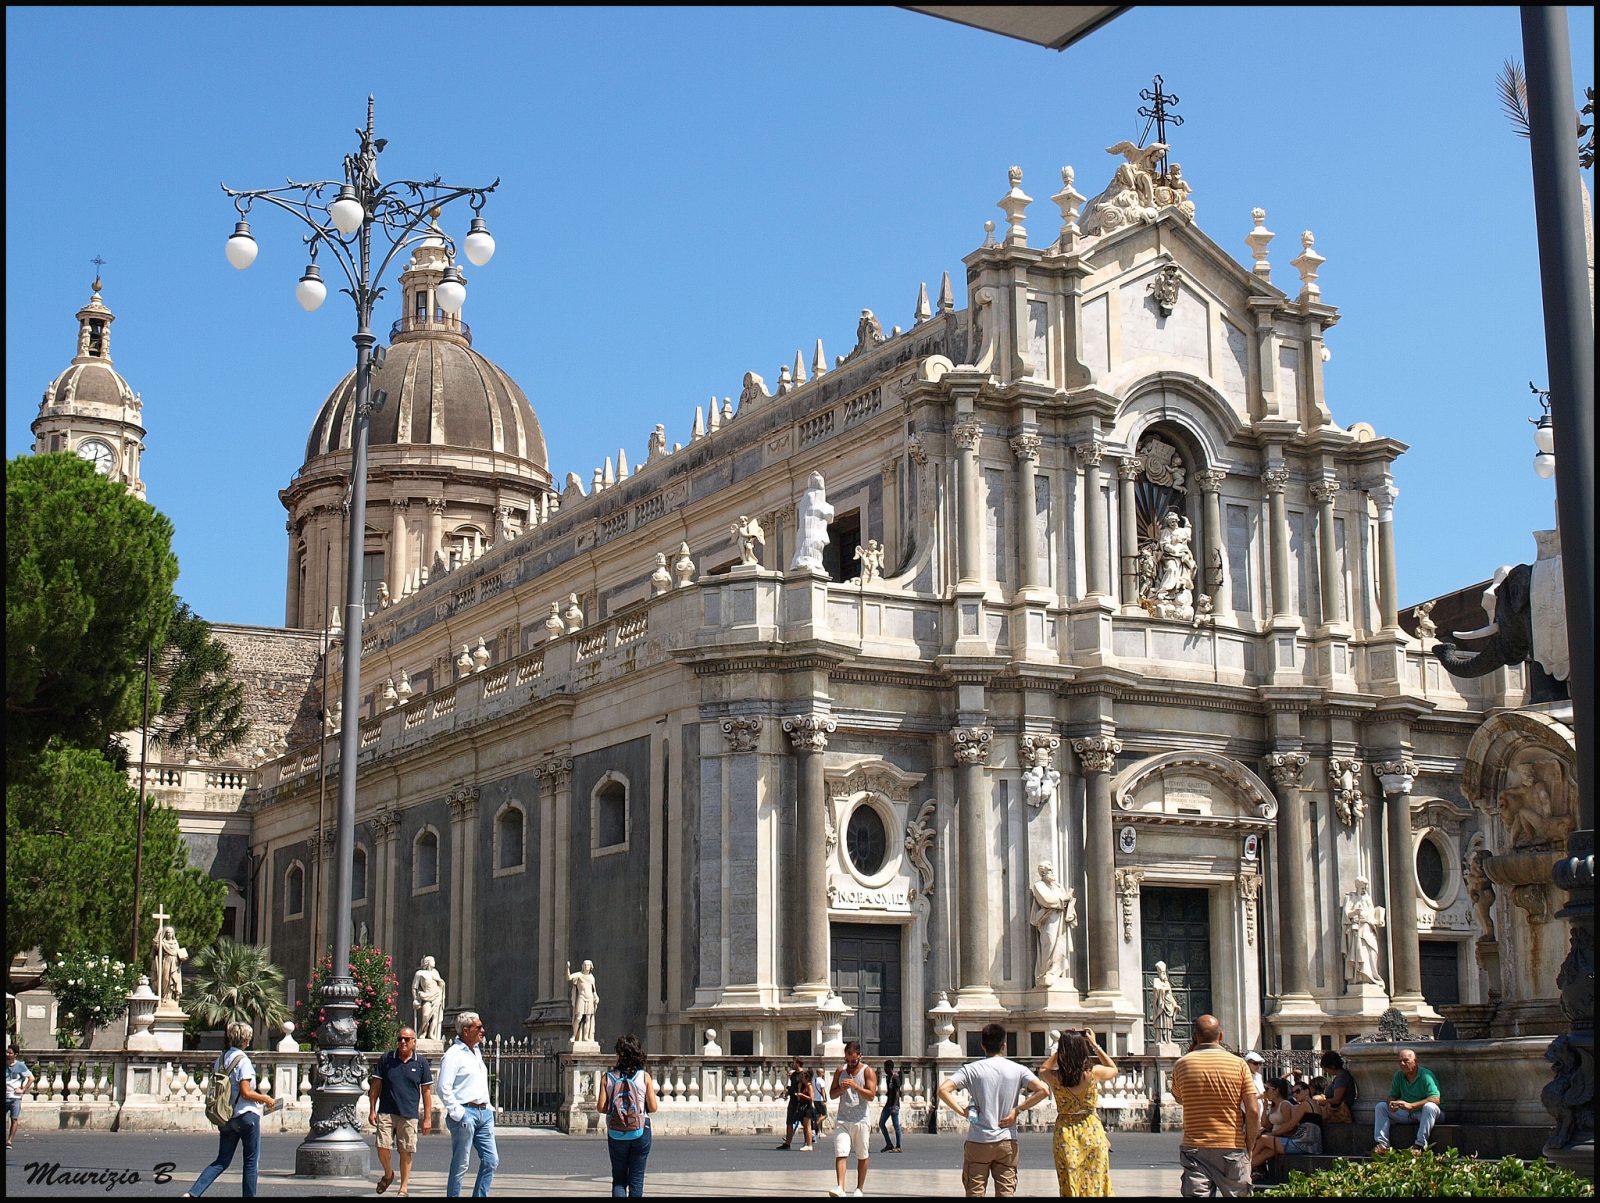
[{"x": 1085, "y": 656}]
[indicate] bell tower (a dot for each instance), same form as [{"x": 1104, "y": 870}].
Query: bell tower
[{"x": 89, "y": 409}]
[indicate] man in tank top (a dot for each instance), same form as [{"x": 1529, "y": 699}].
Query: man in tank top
[{"x": 855, "y": 1085}]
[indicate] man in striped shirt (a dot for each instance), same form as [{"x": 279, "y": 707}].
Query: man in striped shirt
[{"x": 1220, "y": 1120}]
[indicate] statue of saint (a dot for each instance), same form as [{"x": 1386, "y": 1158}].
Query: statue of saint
[
  {"x": 1052, "y": 911},
  {"x": 813, "y": 515},
  {"x": 166, "y": 973},
  {"x": 1361, "y": 922},
  {"x": 585, "y": 998},
  {"x": 1163, "y": 1005},
  {"x": 427, "y": 1001}
]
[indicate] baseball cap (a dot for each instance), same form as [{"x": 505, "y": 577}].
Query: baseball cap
[{"x": 1252, "y": 1055}]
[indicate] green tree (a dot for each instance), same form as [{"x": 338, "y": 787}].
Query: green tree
[
  {"x": 232, "y": 981},
  {"x": 201, "y": 703},
  {"x": 89, "y": 576},
  {"x": 70, "y": 833}
]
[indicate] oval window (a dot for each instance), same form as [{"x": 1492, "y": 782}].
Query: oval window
[
  {"x": 866, "y": 840},
  {"x": 1430, "y": 869}
]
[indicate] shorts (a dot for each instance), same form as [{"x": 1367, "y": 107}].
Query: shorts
[
  {"x": 14, "y": 1108},
  {"x": 1295, "y": 1148},
  {"x": 389, "y": 1126},
  {"x": 853, "y": 1138}
]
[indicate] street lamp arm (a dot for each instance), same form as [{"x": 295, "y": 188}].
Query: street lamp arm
[{"x": 307, "y": 206}]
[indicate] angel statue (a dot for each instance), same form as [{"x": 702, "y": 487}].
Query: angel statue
[{"x": 750, "y": 533}]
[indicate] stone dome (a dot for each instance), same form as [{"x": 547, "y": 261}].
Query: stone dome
[
  {"x": 442, "y": 393},
  {"x": 93, "y": 382}
]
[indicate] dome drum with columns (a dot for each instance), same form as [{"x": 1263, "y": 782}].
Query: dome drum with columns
[
  {"x": 89, "y": 408},
  {"x": 456, "y": 461}
]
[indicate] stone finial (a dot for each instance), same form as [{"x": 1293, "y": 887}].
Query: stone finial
[
  {"x": 819, "y": 361},
  {"x": 947, "y": 296},
  {"x": 988, "y": 234},
  {"x": 599, "y": 481},
  {"x": 554, "y": 628},
  {"x": 464, "y": 661},
  {"x": 924, "y": 309},
  {"x": 607, "y": 476},
  {"x": 390, "y": 695},
  {"x": 699, "y": 429},
  {"x": 799, "y": 369},
  {"x": 1258, "y": 238},
  {"x": 1014, "y": 205},
  {"x": 753, "y": 392},
  {"x": 572, "y": 613},
  {"x": 785, "y": 381},
  {"x": 622, "y": 465},
  {"x": 1308, "y": 262},
  {"x": 480, "y": 656},
  {"x": 683, "y": 567},
  {"x": 661, "y": 578},
  {"x": 1069, "y": 200},
  {"x": 727, "y": 410}
]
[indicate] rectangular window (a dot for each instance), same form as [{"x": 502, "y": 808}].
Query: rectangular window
[
  {"x": 839, "y": 557},
  {"x": 742, "y": 1043},
  {"x": 797, "y": 1042},
  {"x": 371, "y": 577}
]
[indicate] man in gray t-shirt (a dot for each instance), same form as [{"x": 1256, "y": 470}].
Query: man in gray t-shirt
[{"x": 992, "y": 1085}]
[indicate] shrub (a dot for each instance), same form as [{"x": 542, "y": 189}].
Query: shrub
[
  {"x": 234, "y": 981},
  {"x": 1399, "y": 1173},
  {"x": 90, "y": 991},
  {"x": 377, "y": 1016}
]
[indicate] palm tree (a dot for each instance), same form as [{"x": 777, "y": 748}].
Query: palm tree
[{"x": 232, "y": 981}]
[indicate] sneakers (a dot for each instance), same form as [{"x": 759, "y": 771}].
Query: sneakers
[
  {"x": 807, "y": 1148},
  {"x": 837, "y": 1190},
  {"x": 859, "y": 1191}
]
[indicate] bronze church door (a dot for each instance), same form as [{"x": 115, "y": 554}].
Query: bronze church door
[
  {"x": 1175, "y": 927},
  {"x": 866, "y": 976}
]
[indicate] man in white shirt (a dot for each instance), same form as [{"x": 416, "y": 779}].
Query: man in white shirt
[{"x": 464, "y": 1091}]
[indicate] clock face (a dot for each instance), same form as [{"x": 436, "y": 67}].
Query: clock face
[{"x": 98, "y": 454}]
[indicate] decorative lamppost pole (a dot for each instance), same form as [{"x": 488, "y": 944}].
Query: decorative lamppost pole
[{"x": 342, "y": 216}]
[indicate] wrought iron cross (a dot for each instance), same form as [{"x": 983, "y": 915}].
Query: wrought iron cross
[
  {"x": 1159, "y": 115},
  {"x": 98, "y": 264}
]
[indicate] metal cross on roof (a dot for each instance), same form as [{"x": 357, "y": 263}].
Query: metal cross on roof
[
  {"x": 1159, "y": 115},
  {"x": 98, "y": 264}
]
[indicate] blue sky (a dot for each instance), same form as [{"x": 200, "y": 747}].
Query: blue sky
[{"x": 690, "y": 194}]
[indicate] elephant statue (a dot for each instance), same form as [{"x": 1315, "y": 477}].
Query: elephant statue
[{"x": 1508, "y": 601}]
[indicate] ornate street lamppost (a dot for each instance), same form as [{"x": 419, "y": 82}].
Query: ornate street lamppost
[{"x": 342, "y": 216}]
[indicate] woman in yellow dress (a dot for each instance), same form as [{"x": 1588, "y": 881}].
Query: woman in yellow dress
[{"x": 1083, "y": 1154}]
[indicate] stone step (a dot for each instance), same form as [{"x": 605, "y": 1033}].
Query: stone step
[{"x": 1481, "y": 1140}]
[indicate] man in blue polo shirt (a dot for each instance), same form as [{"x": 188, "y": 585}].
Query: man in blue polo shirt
[{"x": 402, "y": 1084}]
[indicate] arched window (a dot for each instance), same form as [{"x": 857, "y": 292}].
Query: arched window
[
  {"x": 294, "y": 891},
  {"x": 425, "y": 862},
  {"x": 510, "y": 840},
  {"x": 608, "y": 815},
  {"x": 358, "y": 876}
]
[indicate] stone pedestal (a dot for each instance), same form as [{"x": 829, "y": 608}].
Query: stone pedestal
[
  {"x": 431, "y": 1049},
  {"x": 583, "y": 1048},
  {"x": 167, "y": 1026}
]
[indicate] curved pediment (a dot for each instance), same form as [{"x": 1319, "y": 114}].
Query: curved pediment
[
  {"x": 1188, "y": 785},
  {"x": 1505, "y": 738},
  {"x": 872, "y": 775}
]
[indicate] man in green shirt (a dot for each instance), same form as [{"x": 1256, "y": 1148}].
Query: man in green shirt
[{"x": 1413, "y": 1098}]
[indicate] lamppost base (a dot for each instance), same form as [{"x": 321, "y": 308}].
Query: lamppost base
[{"x": 333, "y": 1157}]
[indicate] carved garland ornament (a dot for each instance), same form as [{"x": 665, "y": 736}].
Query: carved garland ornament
[
  {"x": 1344, "y": 784},
  {"x": 919, "y": 840},
  {"x": 1249, "y": 891},
  {"x": 1128, "y": 882}
]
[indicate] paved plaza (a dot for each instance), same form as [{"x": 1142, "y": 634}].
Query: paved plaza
[{"x": 548, "y": 1163}]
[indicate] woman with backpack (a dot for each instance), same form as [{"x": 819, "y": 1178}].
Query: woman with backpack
[
  {"x": 627, "y": 1096},
  {"x": 244, "y": 1124}
]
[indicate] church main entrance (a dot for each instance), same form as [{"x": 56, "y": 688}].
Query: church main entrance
[
  {"x": 1176, "y": 928},
  {"x": 866, "y": 976}
]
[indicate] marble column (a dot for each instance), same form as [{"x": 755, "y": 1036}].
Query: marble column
[
  {"x": 976, "y": 950},
  {"x": 1128, "y": 469},
  {"x": 435, "y": 531},
  {"x": 1094, "y": 519},
  {"x": 889, "y": 477},
  {"x": 1213, "y": 577},
  {"x": 1405, "y": 957},
  {"x": 1388, "y": 579},
  {"x": 463, "y": 802},
  {"x": 1276, "y": 481},
  {"x": 806, "y": 884},
  {"x": 968, "y": 435},
  {"x": 1328, "y": 551},
  {"x": 1025, "y": 447},
  {"x": 399, "y": 547},
  {"x": 291, "y": 600},
  {"x": 1294, "y": 852},
  {"x": 386, "y": 834},
  {"x": 1098, "y": 756}
]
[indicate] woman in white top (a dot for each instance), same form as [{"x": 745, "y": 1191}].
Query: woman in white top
[{"x": 249, "y": 1105}]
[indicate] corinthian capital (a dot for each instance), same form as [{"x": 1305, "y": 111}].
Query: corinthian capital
[
  {"x": 809, "y": 732},
  {"x": 741, "y": 733},
  {"x": 1210, "y": 480},
  {"x": 1276, "y": 480},
  {"x": 1098, "y": 753},
  {"x": 1091, "y": 453},
  {"x": 1026, "y": 447},
  {"x": 1384, "y": 497},
  {"x": 1287, "y": 768},
  {"x": 1324, "y": 490},
  {"x": 967, "y": 434},
  {"x": 1396, "y": 776},
  {"x": 971, "y": 744},
  {"x": 1129, "y": 466}
]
